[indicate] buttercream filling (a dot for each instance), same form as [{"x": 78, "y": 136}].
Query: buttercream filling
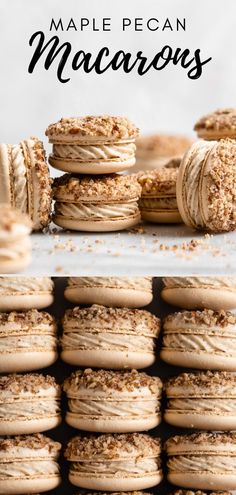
[
  {"x": 164, "y": 203},
  {"x": 198, "y": 405},
  {"x": 136, "y": 283},
  {"x": 14, "y": 250},
  {"x": 104, "y": 325},
  {"x": 111, "y": 341},
  {"x": 90, "y": 153},
  {"x": 192, "y": 182},
  {"x": 197, "y": 282},
  {"x": 87, "y": 211},
  {"x": 119, "y": 467},
  {"x": 134, "y": 408},
  {"x": 28, "y": 469},
  {"x": 28, "y": 409},
  {"x": 202, "y": 464},
  {"x": 25, "y": 285},
  {"x": 17, "y": 343},
  {"x": 196, "y": 343},
  {"x": 19, "y": 171}
]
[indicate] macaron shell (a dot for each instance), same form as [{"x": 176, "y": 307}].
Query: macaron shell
[
  {"x": 109, "y": 359},
  {"x": 199, "y": 360},
  {"x": 200, "y": 298},
  {"x": 203, "y": 481},
  {"x": 21, "y": 302},
  {"x": 112, "y": 424},
  {"x": 20, "y": 486},
  {"x": 168, "y": 216},
  {"x": 108, "y": 296},
  {"x": 202, "y": 420},
  {"x": 211, "y": 135},
  {"x": 101, "y": 167},
  {"x": 13, "y": 362},
  {"x": 97, "y": 225},
  {"x": 22, "y": 426},
  {"x": 116, "y": 484}
]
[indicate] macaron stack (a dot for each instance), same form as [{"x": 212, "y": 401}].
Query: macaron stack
[
  {"x": 206, "y": 182},
  {"x": 114, "y": 402},
  {"x": 29, "y": 402},
  {"x": 203, "y": 339},
  {"x": 92, "y": 196},
  {"x": 157, "y": 150}
]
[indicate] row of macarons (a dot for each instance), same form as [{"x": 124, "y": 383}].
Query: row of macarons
[
  {"x": 119, "y": 462},
  {"x": 93, "y": 197},
  {"x": 117, "y": 337},
  {"x": 106, "y": 401}
]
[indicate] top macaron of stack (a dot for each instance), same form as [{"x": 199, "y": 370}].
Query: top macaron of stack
[{"x": 97, "y": 148}]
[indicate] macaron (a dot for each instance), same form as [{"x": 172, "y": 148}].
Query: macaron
[
  {"x": 131, "y": 292},
  {"x": 158, "y": 202},
  {"x": 113, "y": 401},
  {"x": 200, "y": 292},
  {"x": 206, "y": 186},
  {"x": 96, "y": 203},
  {"x": 23, "y": 293},
  {"x": 220, "y": 124},
  {"x": 205, "y": 400},
  {"x": 25, "y": 181},
  {"x": 199, "y": 492},
  {"x": 92, "y": 144},
  {"x": 114, "y": 462},
  {"x": 28, "y": 463},
  {"x": 115, "y": 338},
  {"x": 205, "y": 461},
  {"x": 156, "y": 150},
  {"x": 15, "y": 244},
  {"x": 200, "y": 339},
  {"x": 28, "y": 404},
  {"x": 28, "y": 341}
]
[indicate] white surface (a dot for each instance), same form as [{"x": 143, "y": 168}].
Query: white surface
[
  {"x": 68, "y": 253},
  {"x": 164, "y": 101}
]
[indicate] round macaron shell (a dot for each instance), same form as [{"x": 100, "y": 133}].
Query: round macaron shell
[
  {"x": 99, "y": 167},
  {"x": 200, "y": 298},
  {"x": 31, "y": 485},
  {"x": 171, "y": 216},
  {"x": 119, "y": 483},
  {"x": 108, "y": 296},
  {"x": 97, "y": 225},
  {"x": 25, "y": 426},
  {"x": 203, "y": 481},
  {"x": 14, "y": 362},
  {"x": 23, "y": 302},
  {"x": 109, "y": 359}
]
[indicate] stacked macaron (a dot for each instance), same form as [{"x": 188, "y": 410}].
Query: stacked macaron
[
  {"x": 203, "y": 339},
  {"x": 156, "y": 150},
  {"x": 92, "y": 196},
  {"x": 29, "y": 402},
  {"x": 115, "y": 401},
  {"x": 158, "y": 198},
  {"x": 206, "y": 182}
]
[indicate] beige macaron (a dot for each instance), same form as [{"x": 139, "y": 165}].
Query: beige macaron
[
  {"x": 131, "y": 292},
  {"x": 29, "y": 403},
  {"x": 206, "y": 186},
  {"x": 156, "y": 150},
  {"x": 200, "y": 292},
  {"x": 220, "y": 124},
  {"x": 205, "y": 461},
  {"x": 25, "y": 182},
  {"x": 115, "y": 338},
  {"x": 205, "y": 400},
  {"x": 114, "y": 462},
  {"x": 158, "y": 202},
  {"x": 200, "y": 339},
  {"x": 92, "y": 144},
  {"x": 113, "y": 401},
  {"x": 23, "y": 293},
  {"x": 28, "y": 463},
  {"x": 15, "y": 244},
  {"x": 96, "y": 203},
  {"x": 28, "y": 341}
]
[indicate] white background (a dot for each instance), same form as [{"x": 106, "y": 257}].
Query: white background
[{"x": 162, "y": 101}]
